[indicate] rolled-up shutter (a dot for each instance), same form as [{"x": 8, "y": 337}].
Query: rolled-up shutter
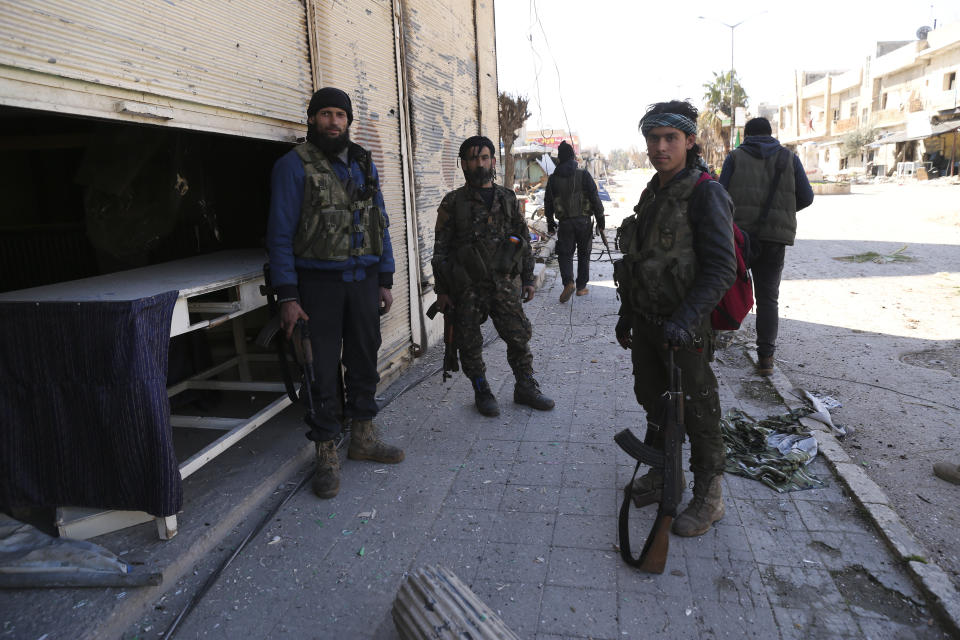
[
  {"x": 239, "y": 67},
  {"x": 448, "y": 104},
  {"x": 356, "y": 52}
]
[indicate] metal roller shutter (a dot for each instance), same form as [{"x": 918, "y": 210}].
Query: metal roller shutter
[
  {"x": 441, "y": 73},
  {"x": 356, "y": 52},
  {"x": 238, "y": 67}
]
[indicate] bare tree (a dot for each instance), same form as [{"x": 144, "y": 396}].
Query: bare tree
[{"x": 512, "y": 114}]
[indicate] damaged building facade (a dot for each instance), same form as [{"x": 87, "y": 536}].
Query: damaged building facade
[
  {"x": 136, "y": 134},
  {"x": 905, "y": 97},
  {"x": 138, "y": 142}
]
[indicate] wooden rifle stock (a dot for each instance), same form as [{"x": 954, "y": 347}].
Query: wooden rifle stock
[
  {"x": 450, "y": 360},
  {"x": 653, "y": 557}
]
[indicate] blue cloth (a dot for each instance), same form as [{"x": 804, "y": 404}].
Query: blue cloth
[
  {"x": 286, "y": 198},
  {"x": 83, "y": 405},
  {"x": 764, "y": 147}
]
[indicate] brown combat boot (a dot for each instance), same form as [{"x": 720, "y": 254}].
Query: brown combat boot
[
  {"x": 568, "y": 290},
  {"x": 765, "y": 365},
  {"x": 648, "y": 488},
  {"x": 326, "y": 478},
  {"x": 365, "y": 444},
  {"x": 704, "y": 509},
  {"x": 583, "y": 292}
]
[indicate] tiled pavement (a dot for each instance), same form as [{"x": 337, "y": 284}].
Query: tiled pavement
[{"x": 523, "y": 509}]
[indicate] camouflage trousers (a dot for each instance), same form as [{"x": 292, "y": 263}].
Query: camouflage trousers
[
  {"x": 700, "y": 393},
  {"x": 500, "y": 300}
]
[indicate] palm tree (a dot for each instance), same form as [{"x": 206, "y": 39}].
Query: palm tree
[
  {"x": 717, "y": 98},
  {"x": 710, "y": 137}
]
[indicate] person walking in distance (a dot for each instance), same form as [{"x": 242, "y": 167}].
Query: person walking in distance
[
  {"x": 768, "y": 185},
  {"x": 571, "y": 197}
]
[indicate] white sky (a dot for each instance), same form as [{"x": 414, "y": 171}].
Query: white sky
[{"x": 615, "y": 57}]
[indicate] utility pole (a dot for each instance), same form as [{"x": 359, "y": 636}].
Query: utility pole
[{"x": 733, "y": 101}]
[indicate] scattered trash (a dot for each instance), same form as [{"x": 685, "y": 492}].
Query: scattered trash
[
  {"x": 821, "y": 413},
  {"x": 368, "y": 515},
  {"x": 879, "y": 258},
  {"x": 752, "y": 449},
  {"x": 274, "y": 540},
  {"x": 362, "y": 551}
]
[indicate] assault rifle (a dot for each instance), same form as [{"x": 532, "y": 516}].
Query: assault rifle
[
  {"x": 450, "y": 361},
  {"x": 606, "y": 245},
  {"x": 669, "y": 414}
]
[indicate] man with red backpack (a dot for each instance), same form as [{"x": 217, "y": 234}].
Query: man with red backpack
[
  {"x": 678, "y": 262},
  {"x": 768, "y": 186}
]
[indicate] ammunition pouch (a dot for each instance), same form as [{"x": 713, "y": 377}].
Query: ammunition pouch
[
  {"x": 508, "y": 257},
  {"x": 471, "y": 263}
]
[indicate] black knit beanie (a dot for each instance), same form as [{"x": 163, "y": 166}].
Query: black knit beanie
[
  {"x": 331, "y": 97},
  {"x": 564, "y": 152}
]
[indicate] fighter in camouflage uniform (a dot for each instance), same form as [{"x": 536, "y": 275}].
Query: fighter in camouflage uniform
[
  {"x": 482, "y": 265},
  {"x": 678, "y": 262}
]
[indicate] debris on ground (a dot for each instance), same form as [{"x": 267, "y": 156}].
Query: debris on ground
[
  {"x": 774, "y": 451},
  {"x": 879, "y": 258}
]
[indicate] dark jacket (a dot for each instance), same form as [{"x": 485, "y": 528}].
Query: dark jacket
[
  {"x": 710, "y": 213},
  {"x": 286, "y": 197},
  {"x": 565, "y": 169}
]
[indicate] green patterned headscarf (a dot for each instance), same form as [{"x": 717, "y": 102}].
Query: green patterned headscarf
[{"x": 675, "y": 120}]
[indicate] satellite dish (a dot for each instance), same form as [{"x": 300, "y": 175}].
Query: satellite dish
[{"x": 922, "y": 32}]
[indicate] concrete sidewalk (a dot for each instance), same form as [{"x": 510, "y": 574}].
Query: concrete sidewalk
[{"x": 523, "y": 509}]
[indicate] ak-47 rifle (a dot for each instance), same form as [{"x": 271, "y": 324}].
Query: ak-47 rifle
[
  {"x": 450, "y": 360},
  {"x": 606, "y": 245},
  {"x": 669, "y": 412}
]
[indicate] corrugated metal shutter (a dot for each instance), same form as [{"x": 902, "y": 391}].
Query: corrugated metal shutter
[
  {"x": 487, "y": 57},
  {"x": 356, "y": 53},
  {"x": 441, "y": 73},
  {"x": 246, "y": 56}
]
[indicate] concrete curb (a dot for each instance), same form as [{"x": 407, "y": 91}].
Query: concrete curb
[{"x": 932, "y": 580}]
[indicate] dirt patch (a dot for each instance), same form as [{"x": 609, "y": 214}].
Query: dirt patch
[
  {"x": 759, "y": 390},
  {"x": 861, "y": 589},
  {"x": 943, "y": 359}
]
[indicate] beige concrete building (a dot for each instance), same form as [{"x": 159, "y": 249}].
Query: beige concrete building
[{"x": 906, "y": 93}]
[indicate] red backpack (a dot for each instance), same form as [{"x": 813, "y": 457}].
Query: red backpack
[{"x": 738, "y": 300}]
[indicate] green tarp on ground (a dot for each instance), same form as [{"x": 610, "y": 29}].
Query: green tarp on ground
[{"x": 774, "y": 450}]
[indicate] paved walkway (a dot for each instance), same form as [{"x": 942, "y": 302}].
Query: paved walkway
[{"x": 523, "y": 509}]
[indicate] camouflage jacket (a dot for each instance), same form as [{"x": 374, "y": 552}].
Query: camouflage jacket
[{"x": 479, "y": 226}]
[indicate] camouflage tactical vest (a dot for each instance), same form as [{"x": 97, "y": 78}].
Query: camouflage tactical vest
[
  {"x": 483, "y": 241},
  {"x": 327, "y": 219},
  {"x": 568, "y": 198},
  {"x": 659, "y": 263}
]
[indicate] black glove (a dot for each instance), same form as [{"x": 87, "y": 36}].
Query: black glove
[
  {"x": 623, "y": 331},
  {"x": 675, "y": 335}
]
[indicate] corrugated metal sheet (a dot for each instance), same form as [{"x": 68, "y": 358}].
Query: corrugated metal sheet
[
  {"x": 441, "y": 72},
  {"x": 356, "y": 52},
  {"x": 487, "y": 60},
  {"x": 247, "y": 56}
]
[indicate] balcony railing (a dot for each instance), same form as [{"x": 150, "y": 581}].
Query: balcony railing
[
  {"x": 845, "y": 125},
  {"x": 888, "y": 116}
]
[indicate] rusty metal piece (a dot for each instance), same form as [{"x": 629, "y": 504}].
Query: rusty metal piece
[{"x": 434, "y": 604}]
